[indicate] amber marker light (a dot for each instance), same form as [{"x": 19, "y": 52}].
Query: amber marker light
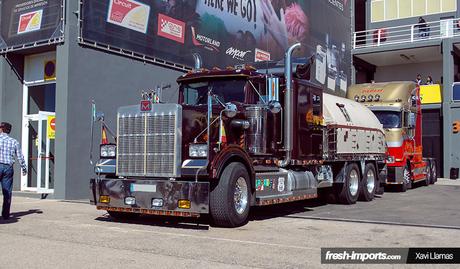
[
  {"x": 104, "y": 199},
  {"x": 184, "y": 204}
]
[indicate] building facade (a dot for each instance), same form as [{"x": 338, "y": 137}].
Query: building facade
[
  {"x": 395, "y": 40},
  {"x": 58, "y": 56}
]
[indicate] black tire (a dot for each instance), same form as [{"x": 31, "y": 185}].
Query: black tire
[
  {"x": 116, "y": 215},
  {"x": 434, "y": 172},
  {"x": 369, "y": 177},
  {"x": 222, "y": 199},
  {"x": 427, "y": 180},
  {"x": 407, "y": 184},
  {"x": 344, "y": 193}
]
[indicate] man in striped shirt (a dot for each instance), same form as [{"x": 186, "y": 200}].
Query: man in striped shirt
[{"x": 9, "y": 149}]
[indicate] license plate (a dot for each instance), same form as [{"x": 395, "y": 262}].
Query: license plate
[{"x": 143, "y": 188}]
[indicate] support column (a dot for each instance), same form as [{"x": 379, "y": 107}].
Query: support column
[{"x": 449, "y": 150}]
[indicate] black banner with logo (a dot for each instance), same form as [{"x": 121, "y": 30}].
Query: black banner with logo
[
  {"x": 28, "y": 23},
  {"x": 226, "y": 32}
]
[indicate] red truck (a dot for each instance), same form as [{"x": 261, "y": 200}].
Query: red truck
[{"x": 398, "y": 107}]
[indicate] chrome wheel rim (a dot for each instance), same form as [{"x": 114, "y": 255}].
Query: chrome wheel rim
[
  {"x": 240, "y": 195},
  {"x": 354, "y": 182},
  {"x": 406, "y": 176},
  {"x": 370, "y": 184},
  {"x": 428, "y": 174},
  {"x": 433, "y": 174}
]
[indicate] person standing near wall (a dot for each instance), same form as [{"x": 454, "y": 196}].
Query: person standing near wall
[
  {"x": 418, "y": 80},
  {"x": 423, "y": 29},
  {"x": 429, "y": 80},
  {"x": 9, "y": 149}
]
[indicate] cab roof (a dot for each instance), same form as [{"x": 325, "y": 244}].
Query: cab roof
[{"x": 219, "y": 73}]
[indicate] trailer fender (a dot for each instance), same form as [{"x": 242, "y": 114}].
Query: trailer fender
[{"x": 339, "y": 171}]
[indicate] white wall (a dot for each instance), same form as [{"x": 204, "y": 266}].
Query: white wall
[{"x": 409, "y": 72}]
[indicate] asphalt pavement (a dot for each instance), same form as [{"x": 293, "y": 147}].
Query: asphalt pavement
[{"x": 73, "y": 234}]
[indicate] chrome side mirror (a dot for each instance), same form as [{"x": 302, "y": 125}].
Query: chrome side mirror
[
  {"x": 274, "y": 106},
  {"x": 230, "y": 110}
]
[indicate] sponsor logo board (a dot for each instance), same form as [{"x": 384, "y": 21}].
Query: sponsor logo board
[
  {"x": 236, "y": 53},
  {"x": 261, "y": 55},
  {"x": 129, "y": 14},
  {"x": 171, "y": 28},
  {"x": 30, "y": 21},
  {"x": 204, "y": 41}
]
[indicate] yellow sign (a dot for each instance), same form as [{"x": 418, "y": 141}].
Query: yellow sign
[
  {"x": 430, "y": 94},
  {"x": 51, "y": 127},
  {"x": 49, "y": 70}
]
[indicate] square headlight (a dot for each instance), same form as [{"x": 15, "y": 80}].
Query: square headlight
[
  {"x": 198, "y": 150},
  {"x": 108, "y": 151}
]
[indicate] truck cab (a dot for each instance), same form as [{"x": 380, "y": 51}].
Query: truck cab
[{"x": 397, "y": 105}]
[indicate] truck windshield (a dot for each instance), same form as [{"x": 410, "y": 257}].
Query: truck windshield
[
  {"x": 389, "y": 119},
  {"x": 196, "y": 93}
]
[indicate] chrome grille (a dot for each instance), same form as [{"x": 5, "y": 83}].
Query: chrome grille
[{"x": 149, "y": 143}]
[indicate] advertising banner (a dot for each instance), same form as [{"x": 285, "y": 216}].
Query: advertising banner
[
  {"x": 28, "y": 23},
  {"x": 227, "y": 32}
]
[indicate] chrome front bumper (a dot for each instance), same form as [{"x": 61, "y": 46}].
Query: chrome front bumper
[{"x": 144, "y": 191}]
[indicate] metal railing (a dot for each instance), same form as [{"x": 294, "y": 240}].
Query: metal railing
[{"x": 410, "y": 33}]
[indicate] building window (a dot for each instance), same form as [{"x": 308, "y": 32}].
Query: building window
[{"x": 385, "y": 10}]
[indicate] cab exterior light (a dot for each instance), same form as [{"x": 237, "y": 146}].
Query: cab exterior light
[
  {"x": 184, "y": 204},
  {"x": 108, "y": 151},
  {"x": 357, "y": 98},
  {"x": 363, "y": 98},
  {"x": 198, "y": 150},
  {"x": 370, "y": 98},
  {"x": 105, "y": 199},
  {"x": 377, "y": 98},
  {"x": 157, "y": 202},
  {"x": 130, "y": 200}
]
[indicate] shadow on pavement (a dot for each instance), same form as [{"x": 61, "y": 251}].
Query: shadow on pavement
[
  {"x": 15, "y": 216},
  {"x": 201, "y": 223},
  {"x": 204, "y": 222}
]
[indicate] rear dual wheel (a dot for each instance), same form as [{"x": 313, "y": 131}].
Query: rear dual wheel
[
  {"x": 427, "y": 180},
  {"x": 368, "y": 183},
  {"x": 434, "y": 174},
  {"x": 348, "y": 192}
]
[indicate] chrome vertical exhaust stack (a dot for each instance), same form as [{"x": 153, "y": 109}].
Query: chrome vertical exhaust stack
[
  {"x": 288, "y": 105},
  {"x": 198, "y": 62}
]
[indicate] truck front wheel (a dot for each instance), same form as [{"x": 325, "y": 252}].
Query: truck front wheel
[
  {"x": 349, "y": 190},
  {"x": 407, "y": 179},
  {"x": 368, "y": 183},
  {"x": 229, "y": 199}
]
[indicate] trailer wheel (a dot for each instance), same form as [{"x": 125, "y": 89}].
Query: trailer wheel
[
  {"x": 229, "y": 200},
  {"x": 368, "y": 183},
  {"x": 349, "y": 191},
  {"x": 434, "y": 175},
  {"x": 123, "y": 215}
]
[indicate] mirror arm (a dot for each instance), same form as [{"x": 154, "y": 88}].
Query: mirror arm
[{"x": 258, "y": 93}]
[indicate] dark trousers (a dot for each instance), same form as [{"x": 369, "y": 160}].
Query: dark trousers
[{"x": 6, "y": 177}]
